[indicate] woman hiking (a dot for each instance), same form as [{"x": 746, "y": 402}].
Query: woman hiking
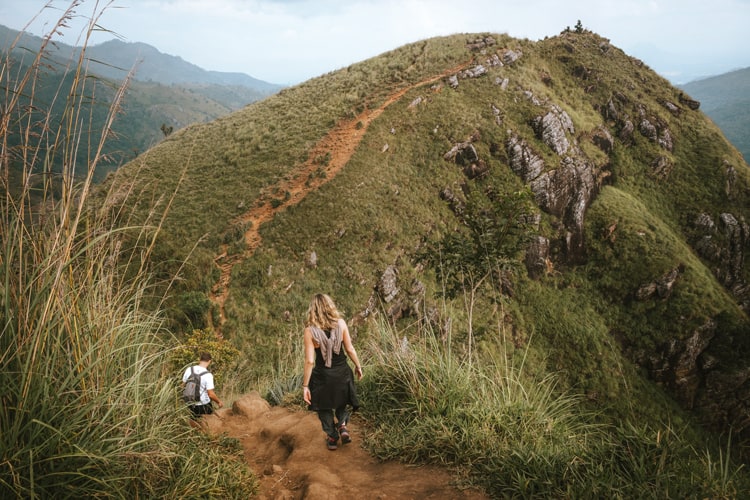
[{"x": 328, "y": 382}]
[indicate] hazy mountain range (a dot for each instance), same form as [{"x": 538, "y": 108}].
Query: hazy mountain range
[
  {"x": 726, "y": 99},
  {"x": 165, "y": 94}
]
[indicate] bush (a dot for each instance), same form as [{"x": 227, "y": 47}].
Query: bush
[{"x": 223, "y": 354}]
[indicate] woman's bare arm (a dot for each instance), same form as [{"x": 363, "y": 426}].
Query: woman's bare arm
[
  {"x": 349, "y": 348},
  {"x": 309, "y": 363}
]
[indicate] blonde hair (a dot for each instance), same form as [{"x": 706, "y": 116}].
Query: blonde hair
[{"x": 322, "y": 312}]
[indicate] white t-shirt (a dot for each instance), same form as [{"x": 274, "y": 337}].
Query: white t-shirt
[{"x": 207, "y": 382}]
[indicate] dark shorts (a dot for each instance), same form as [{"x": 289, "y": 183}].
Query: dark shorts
[{"x": 199, "y": 410}]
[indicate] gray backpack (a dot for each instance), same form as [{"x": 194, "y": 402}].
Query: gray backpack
[{"x": 191, "y": 393}]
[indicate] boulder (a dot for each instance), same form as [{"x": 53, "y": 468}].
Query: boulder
[
  {"x": 690, "y": 103},
  {"x": 603, "y": 139}
]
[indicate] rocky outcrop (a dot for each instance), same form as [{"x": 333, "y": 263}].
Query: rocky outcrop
[
  {"x": 565, "y": 192},
  {"x": 537, "y": 257},
  {"x": 479, "y": 44},
  {"x": 523, "y": 160},
  {"x": 723, "y": 244},
  {"x": 498, "y": 59},
  {"x": 398, "y": 302},
  {"x": 510, "y": 56},
  {"x": 602, "y": 138},
  {"x": 465, "y": 155},
  {"x": 553, "y": 128},
  {"x": 387, "y": 286},
  {"x": 655, "y": 130},
  {"x": 662, "y": 167},
  {"x": 698, "y": 380},
  {"x": 689, "y": 102},
  {"x": 662, "y": 287},
  {"x": 676, "y": 364}
]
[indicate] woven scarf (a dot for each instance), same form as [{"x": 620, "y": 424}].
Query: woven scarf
[{"x": 328, "y": 345}]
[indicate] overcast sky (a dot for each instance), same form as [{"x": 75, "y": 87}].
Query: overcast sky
[{"x": 290, "y": 41}]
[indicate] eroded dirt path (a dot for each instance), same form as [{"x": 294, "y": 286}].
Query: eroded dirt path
[
  {"x": 337, "y": 147},
  {"x": 286, "y": 450}
]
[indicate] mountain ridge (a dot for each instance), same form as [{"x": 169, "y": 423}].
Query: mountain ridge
[
  {"x": 164, "y": 93},
  {"x": 725, "y": 99},
  {"x": 115, "y": 58},
  {"x": 633, "y": 263}
]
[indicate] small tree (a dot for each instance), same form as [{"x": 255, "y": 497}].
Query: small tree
[
  {"x": 579, "y": 27},
  {"x": 492, "y": 231},
  {"x": 223, "y": 353}
]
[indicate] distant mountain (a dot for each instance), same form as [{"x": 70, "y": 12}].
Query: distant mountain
[
  {"x": 165, "y": 94},
  {"x": 726, "y": 100},
  {"x": 114, "y": 58}
]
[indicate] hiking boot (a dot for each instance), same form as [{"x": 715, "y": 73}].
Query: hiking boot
[
  {"x": 331, "y": 443},
  {"x": 344, "y": 433}
]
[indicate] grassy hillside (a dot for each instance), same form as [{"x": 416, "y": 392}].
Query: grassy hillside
[{"x": 584, "y": 318}]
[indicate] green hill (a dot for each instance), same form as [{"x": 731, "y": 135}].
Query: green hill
[
  {"x": 557, "y": 199},
  {"x": 725, "y": 99}
]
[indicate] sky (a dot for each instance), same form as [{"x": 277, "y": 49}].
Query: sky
[{"x": 290, "y": 41}]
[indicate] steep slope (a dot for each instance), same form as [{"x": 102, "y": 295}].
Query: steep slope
[
  {"x": 634, "y": 265},
  {"x": 339, "y": 145}
]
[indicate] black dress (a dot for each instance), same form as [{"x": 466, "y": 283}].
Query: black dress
[{"x": 333, "y": 387}]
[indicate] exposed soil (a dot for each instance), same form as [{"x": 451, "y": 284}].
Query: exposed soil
[
  {"x": 286, "y": 450},
  {"x": 337, "y": 147}
]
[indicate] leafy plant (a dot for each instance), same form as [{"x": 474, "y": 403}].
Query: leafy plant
[
  {"x": 223, "y": 353},
  {"x": 491, "y": 232}
]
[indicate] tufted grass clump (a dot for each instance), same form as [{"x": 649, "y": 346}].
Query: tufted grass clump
[
  {"x": 517, "y": 435},
  {"x": 89, "y": 407}
]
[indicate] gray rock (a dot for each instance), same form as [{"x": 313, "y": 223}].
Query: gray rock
[{"x": 552, "y": 127}]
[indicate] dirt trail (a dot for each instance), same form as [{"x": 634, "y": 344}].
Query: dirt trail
[
  {"x": 337, "y": 146},
  {"x": 287, "y": 452}
]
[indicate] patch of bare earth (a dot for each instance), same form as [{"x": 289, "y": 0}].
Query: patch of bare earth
[{"x": 286, "y": 450}]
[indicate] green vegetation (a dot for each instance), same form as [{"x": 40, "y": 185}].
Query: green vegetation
[
  {"x": 89, "y": 406},
  {"x": 519, "y": 436},
  {"x": 148, "y": 111},
  {"x": 545, "y": 387}
]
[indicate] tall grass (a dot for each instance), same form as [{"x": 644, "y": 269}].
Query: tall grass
[
  {"x": 516, "y": 435},
  {"x": 88, "y": 409}
]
